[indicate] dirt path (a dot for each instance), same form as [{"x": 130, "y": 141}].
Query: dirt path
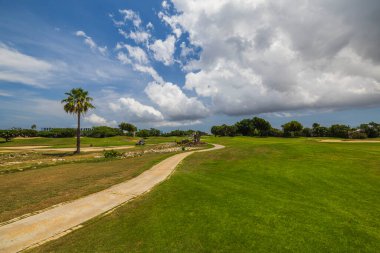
[
  {"x": 47, "y": 148},
  {"x": 60, "y": 220}
]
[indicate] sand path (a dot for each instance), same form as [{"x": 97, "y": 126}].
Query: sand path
[{"x": 62, "y": 219}]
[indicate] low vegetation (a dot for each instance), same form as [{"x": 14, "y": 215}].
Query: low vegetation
[
  {"x": 256, "y": 195},
  {"x": 22, "y": 193},
  {"x": 260, "y": 127}
]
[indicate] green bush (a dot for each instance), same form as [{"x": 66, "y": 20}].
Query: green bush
[
  {"x": 111, "y": 154},
  {"x": 58, "y": 133},
  {"x": 103, "y": 131},
  {"x": 358, "y": 135}
]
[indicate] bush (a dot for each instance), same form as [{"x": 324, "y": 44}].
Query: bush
[
  {"x": 58, "y": 133},
  {"x": 340, "y": 131},
  {"x": 111, "y": 154},
  {"x": 102, "y": 132},
  {"x": 358, "y": 135}
]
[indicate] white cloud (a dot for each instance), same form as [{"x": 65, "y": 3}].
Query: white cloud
[
  {"x": 21, "y": 68},
  {"x": 136, "y": 110},
  {"x": 132, "y": 16},
  {"x": 165, "y": 4},
  {"x": 149, "y": 26},
  {"x": 99, "y": 121},
  {"x": 163, "y": 50},
  {"x": 271, "y": 56},
  {"x": 124, "y": 59},
  {"x": 174, "y": 103},
  {"x": 91, "y": 43},
  {"x": 173, "y": 21},
  {"x": 138, "y": 54},
  {"x": 177, "y": 123},
  {"x": 5, "y": 94},
  {"x": 139, "y": 36}
]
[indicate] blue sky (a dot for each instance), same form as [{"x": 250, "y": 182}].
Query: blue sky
[{"x": 180, "y": 64}]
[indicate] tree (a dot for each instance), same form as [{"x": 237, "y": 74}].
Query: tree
[
  {"x": 244, "y": 127},
  {"x": 292, "y": 128},
  {"x": 8, "y": 135},
  {"x": 341, "y": 131},
  {"x": 154, "y": 132},
  {"x": 33, "y": 127},
  {"x": 77, "y": 102},
  {"x": 261, "y": 125},
  {"x": 131, "y": 129}
]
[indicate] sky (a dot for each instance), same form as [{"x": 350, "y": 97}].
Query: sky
[{"x": 190, "y": 64}]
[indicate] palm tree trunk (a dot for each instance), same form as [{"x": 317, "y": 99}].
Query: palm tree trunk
[{"x": 78, "y": 135}]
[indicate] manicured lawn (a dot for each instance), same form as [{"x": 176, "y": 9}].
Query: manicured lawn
[
  {"x": 33, "y": 190},
  {"x": 256, "y": 195}
]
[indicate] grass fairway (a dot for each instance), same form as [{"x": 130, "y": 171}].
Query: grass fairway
[
  {"x": 33, "y": 190},
  {"x": 256, "y": 195}
]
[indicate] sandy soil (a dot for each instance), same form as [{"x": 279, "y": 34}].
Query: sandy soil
[
  {"x": 351, "y": 141},
  {"x": 59, "y": 220}
]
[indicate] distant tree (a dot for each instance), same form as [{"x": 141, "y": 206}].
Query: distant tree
[
  {"x": 261, "y": 125},
  {"x": 224, "y": 130},
  {"x": 144, "y": 133},
  {"x": 371, "y": 129},
  {"x": 244, "y": 127},
  {"x": 319, "y": 131},
  {"x": 77, "y": 102},
  {"x": 154, "y": 132},
  {"x": 214, "y": 130},
  {"x": 8, "y": 135},
  {"x": 33, "y": 127},
  {"x": 292, "y": 128},
  {"x": 307, "y": 132},
  {"x": 130, "y": 128},
  {"x": 340, "y": 131}
]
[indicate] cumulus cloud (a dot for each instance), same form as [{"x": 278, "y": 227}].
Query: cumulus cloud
[
  {"x": 163, "y": 50},
  {"x": 17, "y": 67},
  {"x": 91, "y": 43},
  {"x": 131, "y": 16},
  {"x": 270, "y": 56},
  {"x": 173, "y": 103},
  {"x": 99, "y": 121},
  {"x": 136, "y": 110}
]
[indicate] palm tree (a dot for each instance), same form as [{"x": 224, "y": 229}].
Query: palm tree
[{"x": 77, "y": 102}]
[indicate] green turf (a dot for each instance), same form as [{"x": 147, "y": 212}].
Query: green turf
[{"x": 256, "y": 195}]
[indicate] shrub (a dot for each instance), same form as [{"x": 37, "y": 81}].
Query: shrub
[
  {"x": 111, "y": 154},
  {"x": 58, "y": 133},
  {"x": 103, "y": 131},
  {"x": 340, "y": 131},
  {"x": 358, "y": 135}
]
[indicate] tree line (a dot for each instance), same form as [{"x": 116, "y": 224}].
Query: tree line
[
  {"x": 261, "y": 127},
  {"x": 124, "y": 129}
]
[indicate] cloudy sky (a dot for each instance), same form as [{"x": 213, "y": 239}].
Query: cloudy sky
[{"x": 190, "y": 64}]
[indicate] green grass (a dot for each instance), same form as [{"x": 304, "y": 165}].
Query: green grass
[
  {"x": 85, "y": 141},
  {"x": 256, "y": 195},
  {"x": 33, "y": 190}
]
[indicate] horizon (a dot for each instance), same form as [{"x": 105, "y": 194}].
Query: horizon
[{"x": 190, "y": 65}]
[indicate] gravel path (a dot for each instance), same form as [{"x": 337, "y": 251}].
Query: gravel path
[{"x": 62, "y": 219}]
